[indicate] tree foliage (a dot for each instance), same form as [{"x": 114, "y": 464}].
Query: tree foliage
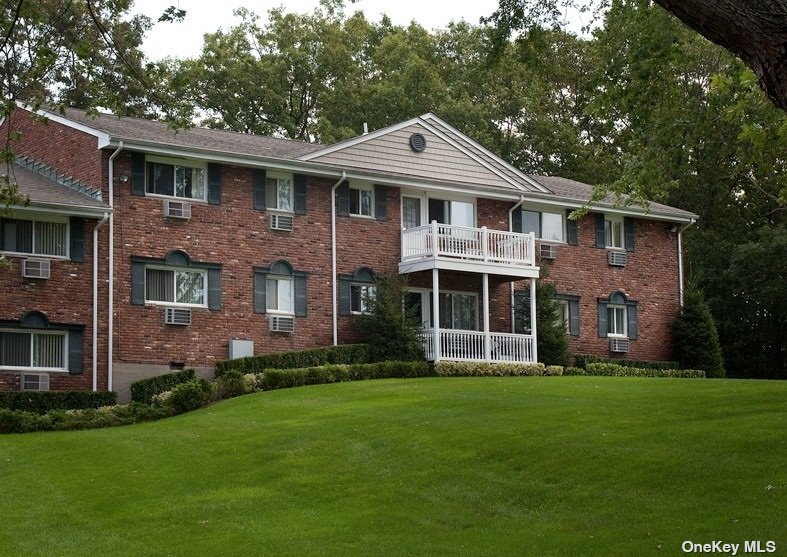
[{"x": 696, "y": 338}]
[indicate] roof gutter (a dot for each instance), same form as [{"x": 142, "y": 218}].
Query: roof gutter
[
  {"x": 680, "y": 258},
  {"x": 95, "y": 298},
  {"x": 111, "y": 277},
  {"x": 335, "y": 303}
]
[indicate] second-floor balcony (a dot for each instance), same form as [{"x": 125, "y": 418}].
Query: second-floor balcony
[{"x": 462, "y": 248}]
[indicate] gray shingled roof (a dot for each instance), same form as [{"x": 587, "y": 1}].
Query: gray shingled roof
[
  {"x": 45, "y": 191},
  {"x": 578, "y": 191},
  {"x": 153, "y": 131}
]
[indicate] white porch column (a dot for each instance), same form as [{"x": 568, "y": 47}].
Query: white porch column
[
  {"x": 533, "y": 318},
  {"x": 487, "y": 337},
  {"x": 436, "y": 311}
]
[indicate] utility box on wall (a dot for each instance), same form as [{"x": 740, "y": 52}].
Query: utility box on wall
[{"x": 241, "y": 348}]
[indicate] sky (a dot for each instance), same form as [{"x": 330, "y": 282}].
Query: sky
[{"x": 185, "y": 39}]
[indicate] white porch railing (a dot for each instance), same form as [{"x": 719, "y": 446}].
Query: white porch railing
[
  {"x": 468, "y": 346},
  {"x": 461, "y": 242}
]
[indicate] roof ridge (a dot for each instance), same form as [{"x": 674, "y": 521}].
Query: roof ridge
[{"x": 69, "y": 182}]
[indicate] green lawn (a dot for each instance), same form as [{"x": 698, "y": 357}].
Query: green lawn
[{"x": 473, "y": 466}]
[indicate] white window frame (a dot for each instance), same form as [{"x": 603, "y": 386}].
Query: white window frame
[
  {"x": 362, "y": 187},
  {"x": 610, "y": 223},
  {"x": 175, "y": 271},
  {"x": 426, "y": 306},
  {"x": 367, "y": 289},
  {"x": 32, "y": 368},
  {"x": 291, "y": 280},
  {"x": 612, "y": 310},
  {"x": 552, "y": 211},
  {"x": 177, "y": 162},
  {"x": 564, "y": 315},
  {"x": 54, "y": 220},
  {"x": 279, "y": 176}
]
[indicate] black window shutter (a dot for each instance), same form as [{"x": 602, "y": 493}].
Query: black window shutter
[
  {"x": 380, "y": 200},
  {"x": 572, "y": 231},
  {"x": 260, "y": 290},
  {"x": 600, "y": 239},
  {"x": 516, "y": 221},
  {"x": 344, "y": 296},
  {"x": 77, "y": 248},
  {"x": 258, "y": 181},
  {"x": 137, "y": 174},
  {"x": 214, "y": 183},
  {"x": 300, "y": 296},
  {"x": 299, "y": 181},
  {"x": 630, "y": 231},
  {"x": 631, "y": 316},
  {"x": 137, "y": 283},
  {"x": 214, "y": 288},
  {"x": 603, "y": 327},
  {"x": 573, "y": 318},
  {"x": 75, "y": 352},
  {"x": 343, "y": 199}
]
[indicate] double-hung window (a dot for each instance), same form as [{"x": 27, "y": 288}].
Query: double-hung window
[
  {"x": 33, "y": 350},
  {"x": 280, "y": 295},
  {"x": 34, "y": 237},
  {"x": 362, "y": 201},
  {"x": 175, "y": 179},
  {"x": 279, "y": 193},
  {"x": 613, "y": 232},
  {"x": 617, "y": 321},
  {"x": 563, "y": 318},
  {"x": 545, "y": 225},
  {"x": 176, "y": 286},
  {"x": 617, "y": 316},
  {"x": 361, "y": 296}
]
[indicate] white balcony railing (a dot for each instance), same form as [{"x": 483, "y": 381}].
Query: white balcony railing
[
  {"x": 435, "y": 240},
  {"x": 470, "y": 346}
]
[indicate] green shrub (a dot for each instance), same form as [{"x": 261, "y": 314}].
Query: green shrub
[
  {"x": 342, "y": 354},
  {"x": 191, "y": 395},
  {"x": 571, "y": 370},
  {"x": 230, "y": 385},
  {"x": 145, "y": 389},
  {"x": 615, "y": 370},
  {"x": 19, "y": 421},
  {"x": 696, "y": 337},
  {"x": 553, "y": 370},
  {"x": 582, "y": 360},
  {"x": 478, "y": 369},
  {"x": 286, "y": 378},
  {"x": 44, "y": 401}
]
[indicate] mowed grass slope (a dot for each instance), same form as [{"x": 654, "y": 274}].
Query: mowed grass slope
[{"x": 474, "y": 466}]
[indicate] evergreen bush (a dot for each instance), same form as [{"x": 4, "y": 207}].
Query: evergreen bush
[{"x": 696, "y": 337}]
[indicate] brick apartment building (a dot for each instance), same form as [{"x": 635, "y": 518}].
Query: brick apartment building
[{"x": 191, "y": 247}]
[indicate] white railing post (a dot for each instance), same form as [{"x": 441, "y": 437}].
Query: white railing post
[
  {"x": 435, "y": 240},
  {"x": 485, "y": 243},
  {"x": 487, "y": 338},
  {"x": 533, "y": 332},
  {"x": 531, "y": 249},
  {"x": 436, "y": 307}
]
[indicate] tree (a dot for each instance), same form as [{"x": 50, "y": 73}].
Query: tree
[
  {"x": 754, "y": 30},
  {"x": 696, "y": 338},
  {"x": 552, "y": 344}
]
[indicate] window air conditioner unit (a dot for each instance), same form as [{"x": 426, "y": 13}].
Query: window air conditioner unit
[
  {"x": 282, "y": 324},
  {"x": 281, "y": 222},
  {"x": 35, "y": 268},
  {"x": 177, "y": 316},
  {"x": 548, "y": 251},
  {"x": 617, "y": 258},
  {"x": 35, "y": 382},
  {"x": 619, "y": 345},
  {"x": 177, "y": 209}
]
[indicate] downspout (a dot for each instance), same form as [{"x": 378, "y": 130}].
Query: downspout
[
  {"x": 95, "y": 299},
  {"x": 111, "y": 281},
  {"x": 680, "y": 258},
  {"x": 333, "y": 259},
  {"x": 511, "y": 228}
]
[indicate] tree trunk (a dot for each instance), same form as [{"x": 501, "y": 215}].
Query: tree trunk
[{"x": 754, "y": 30}]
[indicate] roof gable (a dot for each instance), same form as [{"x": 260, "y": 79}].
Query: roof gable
[{"x": 449, "y": 156}]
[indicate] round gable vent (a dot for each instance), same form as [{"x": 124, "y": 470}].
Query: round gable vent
[{"x": 417, "y": 142}]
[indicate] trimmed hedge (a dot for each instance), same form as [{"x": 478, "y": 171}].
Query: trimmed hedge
[
  {"x": 285, "y": 378},
  {"x": 41, "y": 402},
  {"x": 145, "y": 389},
  {"x": 480, "y": 369},
  {"x": 19, "y": 421},
  {"x": 582, "y": 360},
  {"x": 615, "y": 370},
  {"x": 571, "y": 370},
  {"x": 342, "y": 354}
]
